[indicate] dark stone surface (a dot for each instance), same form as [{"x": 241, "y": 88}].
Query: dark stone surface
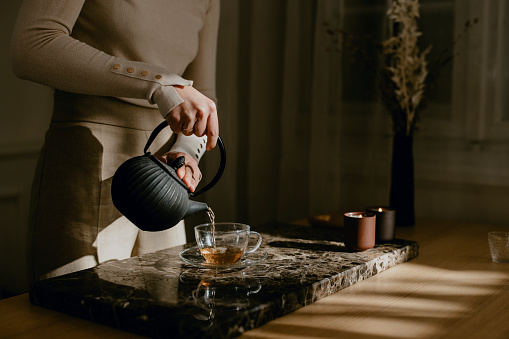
[{"x": 158, "y": 295}]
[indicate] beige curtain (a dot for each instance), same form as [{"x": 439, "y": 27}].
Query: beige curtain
[{"x": 278, "y": 89}]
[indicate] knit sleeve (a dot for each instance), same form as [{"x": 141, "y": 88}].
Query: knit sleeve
[{"x": 44, "y": 51}]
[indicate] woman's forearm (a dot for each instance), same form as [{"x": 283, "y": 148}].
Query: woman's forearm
[{"x": 43, "y": 51}]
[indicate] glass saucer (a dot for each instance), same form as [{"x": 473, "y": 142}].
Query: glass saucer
[{"x": 192, "y": 256}]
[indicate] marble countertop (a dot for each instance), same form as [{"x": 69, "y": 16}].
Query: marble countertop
[{"x": 158, "y": 295}]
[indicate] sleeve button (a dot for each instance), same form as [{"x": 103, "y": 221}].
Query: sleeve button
[
  {"x": 144, "y": 73},
  {"x": 130, "y": 70},
  {"x": 116, "y": 66},
  {"x": 158, "y": 77}
]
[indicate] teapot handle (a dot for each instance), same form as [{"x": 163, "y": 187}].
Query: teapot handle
[{"x": 222, "y": 150}]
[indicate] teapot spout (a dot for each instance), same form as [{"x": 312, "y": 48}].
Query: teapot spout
[{"x": 196, "y": 207}]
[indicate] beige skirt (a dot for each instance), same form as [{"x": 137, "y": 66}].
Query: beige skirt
[{"x": 73, "y": 223}]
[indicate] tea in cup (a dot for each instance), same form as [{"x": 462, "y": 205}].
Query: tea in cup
[{"x": 225, "y": 242}]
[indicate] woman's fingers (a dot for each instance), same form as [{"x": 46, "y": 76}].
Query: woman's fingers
[
  {"x": 188, "y": 129},
  {"x": 212, "y": 131},
  {"x": 182, "y": 119},
  {"x": 200, "y": 127},
  {"x": 196, "y": 115},
  {"x": 191, "y": 177},
  {"x": 189, "y": 173}
]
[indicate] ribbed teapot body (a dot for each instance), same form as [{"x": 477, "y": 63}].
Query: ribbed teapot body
[{"x": 149, "y": 193}]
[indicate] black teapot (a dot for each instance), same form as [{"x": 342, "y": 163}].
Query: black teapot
[{"x": 149, "y": 192}]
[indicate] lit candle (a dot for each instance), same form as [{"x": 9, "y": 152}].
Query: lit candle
[
  {"x": 385, "y": 222},
  {"x": 355, "y": 214},
  {"x": 359, "y": 230}
]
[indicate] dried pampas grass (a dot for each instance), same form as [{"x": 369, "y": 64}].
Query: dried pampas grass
[{"x": 406, "y": 66}]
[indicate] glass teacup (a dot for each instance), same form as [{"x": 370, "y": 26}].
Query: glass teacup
[{"x": 225, "y": 242}]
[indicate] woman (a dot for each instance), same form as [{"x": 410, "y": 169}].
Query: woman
[{"x": 118, "y": 68}]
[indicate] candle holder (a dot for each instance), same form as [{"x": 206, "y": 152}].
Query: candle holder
[
  {"x": 385, "y": 222},
  {"x": 359, "y": 230}
]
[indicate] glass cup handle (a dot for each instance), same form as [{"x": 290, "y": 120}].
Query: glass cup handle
[{"x": 257, "y": 244}]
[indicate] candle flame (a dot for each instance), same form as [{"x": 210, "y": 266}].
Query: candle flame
[{"x": 380, "y": 209}]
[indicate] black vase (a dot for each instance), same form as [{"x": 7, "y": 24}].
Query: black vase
[{"x": 402, "y": 194}]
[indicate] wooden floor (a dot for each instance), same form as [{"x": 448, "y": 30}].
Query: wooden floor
[{"x": 452, "y": 290}]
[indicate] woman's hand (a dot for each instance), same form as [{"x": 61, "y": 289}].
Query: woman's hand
[
  {"x": 189, "y": 173},
  {"x": 196, "y": 115}
]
